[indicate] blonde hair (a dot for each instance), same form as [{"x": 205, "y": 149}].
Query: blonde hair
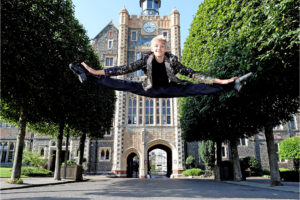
[{"x": 160, "y": 38}]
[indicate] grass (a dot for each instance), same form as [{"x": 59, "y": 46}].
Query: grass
[{"x": 5, "y": 172}]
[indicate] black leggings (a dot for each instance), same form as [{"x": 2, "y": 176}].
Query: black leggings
[{"x": 173, "y": 90}]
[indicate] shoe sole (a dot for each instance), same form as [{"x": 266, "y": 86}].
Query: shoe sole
[
  {"x": 81, "y": 75},
  {"x": 242, "y": 81}
]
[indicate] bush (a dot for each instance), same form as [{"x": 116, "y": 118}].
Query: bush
[
  {"x": 190, "y": 161},
  {"x": 35, "y": 171},
  {"x": 14, "y": 181},
  {"x": 266, "y": 172},
  {"x": 290, "y": 175},
  {"x": 252, "y": 164},
  {"x": 192, "y": 172},
  {"x": 69, "y": 163},
  {"x": 33, "y": 159}
]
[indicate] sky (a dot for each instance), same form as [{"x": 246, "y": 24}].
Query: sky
[{"x": 94, "y": 15}]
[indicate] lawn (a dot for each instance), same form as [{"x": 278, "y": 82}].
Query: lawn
[{"x": 5, "y": 172}]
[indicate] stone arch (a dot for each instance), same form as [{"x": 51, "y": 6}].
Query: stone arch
[
  {"x": 132, "y": 166},
  {"x": 159, "y": 141},
  {"x": 165, "y": 146}
]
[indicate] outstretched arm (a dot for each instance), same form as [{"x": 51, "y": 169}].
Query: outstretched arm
[
  {"x": 93, "y": 71},
  {"x": 118, "y": 70}
]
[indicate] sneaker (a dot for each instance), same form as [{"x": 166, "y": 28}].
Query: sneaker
[
  {"x": 241, "y": 81},
  {"x": 79, "y": 71}
]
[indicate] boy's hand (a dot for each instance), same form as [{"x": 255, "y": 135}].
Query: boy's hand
[{"x": 225, "y": 81}]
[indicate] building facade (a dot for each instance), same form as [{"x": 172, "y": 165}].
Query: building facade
[{"x": 140, "y": 124}]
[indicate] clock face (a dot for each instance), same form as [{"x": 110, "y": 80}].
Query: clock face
[{"x": 149, "y": 27}]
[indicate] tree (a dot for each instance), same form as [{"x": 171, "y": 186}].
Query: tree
[
  {"x": 39, "y": 40},
  {"x": 232, "y": 37},
  {"x": 206, "y": 150},
  {"x": 290, "y": 149}
]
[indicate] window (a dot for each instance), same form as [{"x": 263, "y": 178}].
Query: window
[
  {"x": 166, "y": 111},
  {"x": 132, "y": 110},
  {"x": 148, "y": 111},
  {"x": 104, "y": 154},
  {"x": 110, "y": 33},
  {"x": 292, "y": 123},
  {"x": 242, "y": 142},
  {"x": 110, "y": 44},
  {"x": 11, "y": 152},
  {"x": 278, "y": 127},
  {"x": 165, "y": 34},
  {"x": 140, "y": 110},
  {"x": 4, "y": 152},
  {"x": 157, "y": 114},
  {"x": 223, "y": 152},
  {"x": 155, "y": 4},
  {"x": 139, "y": 72},
  {"x": 149, "y": 4},
  {"x": 108, "y": 133},
  {"x": 109, "y": 61},
  {"x": 42, "y": 153},
  {"x": 133, "y": 36}
]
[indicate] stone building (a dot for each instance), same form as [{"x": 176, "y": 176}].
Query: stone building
[
  {"x": 140, "y": 124},
  {"x": 256, "y": 146}
]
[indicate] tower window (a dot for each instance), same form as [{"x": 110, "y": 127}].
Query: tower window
[
  {"x": 155, "y": 4},
  {"x": 149, "y": 111},
  {"x": 166, "y": 112},
  {"x": 132, "y": 104},
  {"x": 165, "y": 34},
  {"x": 149, "y": 4},
  {"x": 133, "y": 36}
]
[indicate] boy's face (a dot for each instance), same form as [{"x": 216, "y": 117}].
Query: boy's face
[{"x": 159, "y": 48}]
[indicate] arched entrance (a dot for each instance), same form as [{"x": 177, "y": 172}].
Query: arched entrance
[
  {"x": 132, "y": 166},
  {"x": 160, "y": 160}
]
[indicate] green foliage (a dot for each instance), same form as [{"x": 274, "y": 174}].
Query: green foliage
[
  {"x": 190, "y": 161},
  {"x": 35, "y": 171},
  {"x": 229, "y": 38},
  {"x": 192, "y": 172},
  {"x": 33, "y": 159},
  {"x": 266, "y": 172},
  {"x": 284, "y": 170},
  {"x": 206, "y": 150},
  {"x": 290, "y": 148},
  {"x": 14, "y": 181},
  {"x": 5, "y": 172},
  {"x": 69, "y": 163},
  {"x": 252, "y": 164}
]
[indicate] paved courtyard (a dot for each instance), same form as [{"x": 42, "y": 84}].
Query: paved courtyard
[{"x": 165, "y": 189}]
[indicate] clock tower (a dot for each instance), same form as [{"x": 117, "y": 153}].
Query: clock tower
[{"x": 142, "y": 125}]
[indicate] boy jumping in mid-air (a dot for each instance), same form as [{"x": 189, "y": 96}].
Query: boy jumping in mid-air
[{"x": 160, "y": 68}]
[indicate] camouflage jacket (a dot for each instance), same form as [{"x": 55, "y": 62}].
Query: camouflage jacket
[{"x": 173, "y": 67}]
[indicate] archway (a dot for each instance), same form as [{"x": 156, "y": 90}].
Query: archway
[
  {"x": 162, "y": 162},
  {"x": 132, "y": 166}
]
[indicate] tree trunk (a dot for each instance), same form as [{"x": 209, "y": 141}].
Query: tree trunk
[
  {"x": 218, "y": 174},
  {"x": 66, "y": 154},
  {"x": 296, "y": 162},
  {"x": 273, "y": 160},
  {"x": 81, "y": 148},
  {"x": 16, "y": 170},
  {"x": 58, "y": 152},
  {"x": 237, "y": 173}
]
